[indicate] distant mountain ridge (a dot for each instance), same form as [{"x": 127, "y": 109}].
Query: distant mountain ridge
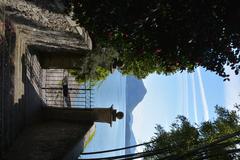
[{"x": 135, "y": 92}]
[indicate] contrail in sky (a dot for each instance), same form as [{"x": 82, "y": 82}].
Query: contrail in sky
[
  {"x": 183, "y": 95},
  {"x": 194, "y": 98},
  {"x": 203, "y": 96},
  {"x": 186, "y": 95}
]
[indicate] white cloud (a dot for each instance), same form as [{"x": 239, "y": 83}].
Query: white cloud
[{"x": 203, "y": 96}]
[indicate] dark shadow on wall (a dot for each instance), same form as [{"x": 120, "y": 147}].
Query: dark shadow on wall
[
  {"x": 7, "y": 83},
  {"x": 23, "y": 114},
  {"x": 15, "y": 114},
  {"x": 32, "y": 101}
]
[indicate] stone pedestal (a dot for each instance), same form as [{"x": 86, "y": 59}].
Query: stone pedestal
[{"x": 103, "y": 115}]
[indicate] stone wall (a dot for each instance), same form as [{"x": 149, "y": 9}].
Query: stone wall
[
  {"x": 51, "y": 141},
  {"x": 2, "y": 48},
  {"x": 19, "y": 99},
  {"x": 46, "y": 15},
  {"x": 7, "y": 47}
]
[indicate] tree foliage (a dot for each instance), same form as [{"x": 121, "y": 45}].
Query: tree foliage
[
  {"x": 95, "y": 66},
  {"x": 165, "y": 36},
  {"x": 184, "y": 136}
]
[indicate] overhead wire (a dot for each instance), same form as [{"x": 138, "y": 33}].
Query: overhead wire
[
  {"x": 170, "y": 154},
  {"x": 118, "y": 149}
]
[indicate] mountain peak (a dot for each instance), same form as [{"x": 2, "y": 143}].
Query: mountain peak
[{"x": 135, "y": 92}]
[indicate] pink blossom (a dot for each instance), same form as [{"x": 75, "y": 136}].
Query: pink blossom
[
  {"x": 1, "y": 39},
  {"x": 141, "y": 50},
  {"x": 158, "y": 50},
  {"x": 110, "y": 33}
]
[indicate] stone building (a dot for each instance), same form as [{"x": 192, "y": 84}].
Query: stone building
[{"x": 36, "y": 35}]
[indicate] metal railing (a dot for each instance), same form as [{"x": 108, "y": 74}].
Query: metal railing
[
  {"x": 73, "y": 94},
  {"x": 49, "y": 84},
  {"x": 33, "y": 71}
]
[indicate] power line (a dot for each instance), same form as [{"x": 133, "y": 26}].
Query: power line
[
  {"x": 168, "y": 154},
  {"x": 133, "y": 155},
  {"x": 118, "y": 149}
]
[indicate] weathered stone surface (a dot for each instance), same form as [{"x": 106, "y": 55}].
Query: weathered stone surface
[
  {"x": 19, "y": 99},
  {"x": 44, "y": 14},
  {"x": 50, "y": 141}
]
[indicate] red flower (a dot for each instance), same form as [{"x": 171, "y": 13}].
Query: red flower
[
  {"x": 1, "y": 39},
  {"x": 141, "y": 50},
  {"x": 158, "y": 50},
  {"x": 110, "y": 35},
  {"x": 1, "y": 24}
]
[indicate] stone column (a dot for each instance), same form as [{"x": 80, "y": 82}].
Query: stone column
[{"x": 103, "y": 115}]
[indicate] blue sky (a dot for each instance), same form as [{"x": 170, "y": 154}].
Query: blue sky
[{"x": 191, "y": 94}]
